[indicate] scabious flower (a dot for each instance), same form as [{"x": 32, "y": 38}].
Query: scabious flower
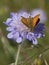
[{"x": 19, "y": 31}]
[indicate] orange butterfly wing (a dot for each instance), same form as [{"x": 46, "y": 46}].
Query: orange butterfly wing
[
  {"x": 25, "y": 21},
  {"x": 35, "y": 20}
]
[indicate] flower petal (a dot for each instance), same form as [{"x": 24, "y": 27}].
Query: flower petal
[
  {"x": 34, "y": 40},
  {"x": 16, "y": 35},
  {"x": 10, "y": 35},
  {"x": 39, "y": 28},
  {"x": 19, "y": 40},
  {"x": 10, "y": 28},
  {"x": 23, "y": 13},
  {"x": 13, "y": 34},
  {"x": 39, "y": 35},
  {"x": 24, "y": 34},
  {"x": 8, "y": 21},
  {"x": 30, "y": 35},
  {"x": 12, "y": 13}
]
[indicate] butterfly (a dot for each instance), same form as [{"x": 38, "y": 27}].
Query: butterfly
[{"x": 31, "y": 22}]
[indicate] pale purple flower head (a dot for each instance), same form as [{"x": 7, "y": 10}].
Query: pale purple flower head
[{"x": 19, "y": 31}]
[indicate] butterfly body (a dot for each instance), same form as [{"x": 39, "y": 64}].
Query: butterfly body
[{"x": 31, "y": 22}]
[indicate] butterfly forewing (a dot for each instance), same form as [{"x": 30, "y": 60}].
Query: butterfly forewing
[
  {"x": 25, "y": 21},
  {"x": 35, "y": 20}
]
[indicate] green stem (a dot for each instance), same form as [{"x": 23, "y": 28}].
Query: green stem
[
  {"x": 17, "y": 55},
  {"x": 45, "y": 62}
]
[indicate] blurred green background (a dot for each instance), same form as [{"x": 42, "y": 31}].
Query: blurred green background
[{"x": 8, "y": 48}]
